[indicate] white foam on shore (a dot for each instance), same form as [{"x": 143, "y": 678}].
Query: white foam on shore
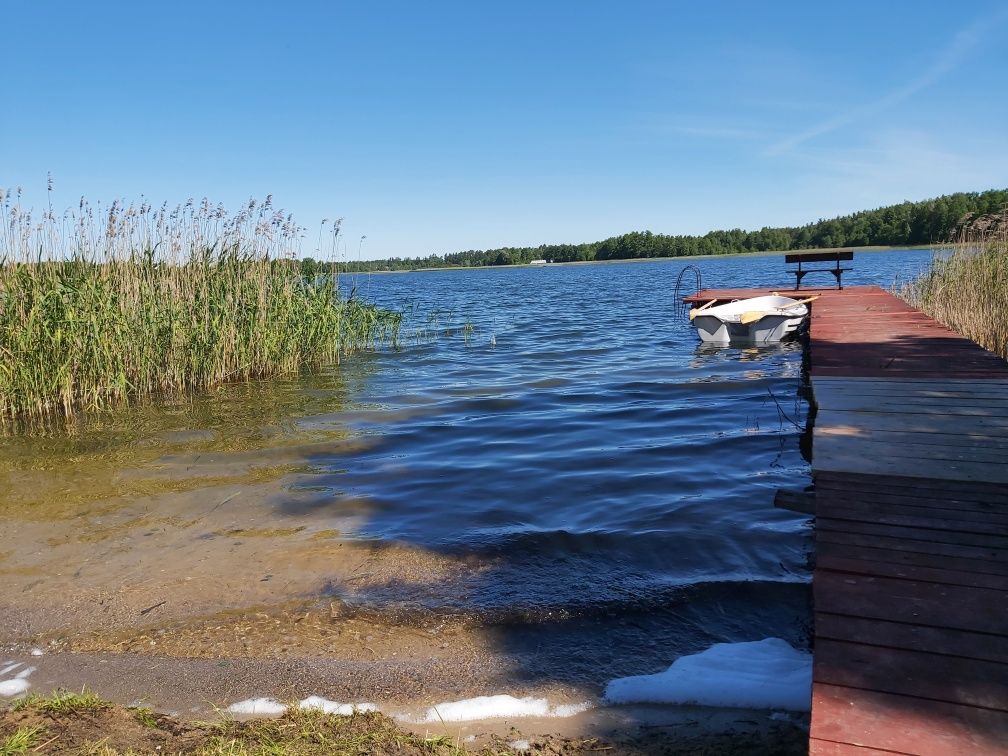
[
  {"x": 766, "y": 674},
  {"x": 499, "y": 707},
  {"x": 258, "y": 707},
  {"x": 270, "y": 707},
  {"x": 15, "y": 687},
  {"x": 18, "y": 684},
  {"x": 569, "y": 710},
  {"x": 332, "y": 707}
]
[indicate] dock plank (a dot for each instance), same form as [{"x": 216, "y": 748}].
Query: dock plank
[
  {"x": 989, "y": 541},
  {"x": 913, "y": 602},
  {"x": 969, "y": 506},
  {"x": 830, "y": 444},
  {"x": 911, "y": 387},
  {"x": 818, "y": 747},
  {"x": 826, "y": 390},
  {"x": 982, "y": 462},
  {"x": 872, "y": 560},
  {"x": 869, "y": 421},
  {"x": 997, "y": 560},
  {"x": 904, "y": 724},
  {"x": 905, "y": 405},
  {"x": 874, "y": 632},
  {"x": 875, "y": 568},
  {"x": 917, "y": 517},
  {"x": 905, "y": 484},
  {"x": 935, "y": 676},
  {"x": 896, "y": 438},
  {"x": 949, "y": 469}
]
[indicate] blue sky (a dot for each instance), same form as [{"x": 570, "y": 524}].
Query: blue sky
[{"x": 437, "y": 127}]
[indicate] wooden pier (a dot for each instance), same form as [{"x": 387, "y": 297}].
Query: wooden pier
[{"x": 910, "y": 462}]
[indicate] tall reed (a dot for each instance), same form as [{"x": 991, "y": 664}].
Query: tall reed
[
  {"x": 967, "y": 290},
  {"x": 100, "y": 306}
]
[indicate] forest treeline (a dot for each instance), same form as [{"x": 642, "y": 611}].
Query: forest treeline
[{"x": 930, "y": 221}]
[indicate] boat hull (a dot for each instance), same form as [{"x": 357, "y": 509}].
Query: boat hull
[
  {"x": 767, "y": 320},
  {"x": 766, "y": 330}
]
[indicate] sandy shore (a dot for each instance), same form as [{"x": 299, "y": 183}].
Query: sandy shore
[{"x": 217, "y": 605}]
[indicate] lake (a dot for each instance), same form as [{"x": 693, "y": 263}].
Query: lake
[{"x": 550, "y": 461}]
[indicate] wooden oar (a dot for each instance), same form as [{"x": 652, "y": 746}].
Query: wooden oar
[
  {"x": 803, "y": 301},
  {"x": 693, "y": 313},
  {"x": 753, "y": 315}
]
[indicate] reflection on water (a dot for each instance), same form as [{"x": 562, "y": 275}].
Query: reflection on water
[{"x": 564, "y": 456}]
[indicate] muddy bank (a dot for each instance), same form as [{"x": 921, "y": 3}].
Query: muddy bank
[
  {"x": 74, "y": 723},
  {"x": 416, "y": 693}
]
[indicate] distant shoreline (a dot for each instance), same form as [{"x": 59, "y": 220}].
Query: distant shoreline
[
  {"x": 906, "y": 225},
  {"x": 767, "y": 253}
]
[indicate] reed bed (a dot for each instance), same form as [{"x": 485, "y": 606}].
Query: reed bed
[
  {"x": 967, "y": 289},
  {"x": 102, "y": 306}
]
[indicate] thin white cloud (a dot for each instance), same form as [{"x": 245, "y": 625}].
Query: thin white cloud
[
  {"x": 901, "y": 165},
  {"x": 965, "y": 41}
]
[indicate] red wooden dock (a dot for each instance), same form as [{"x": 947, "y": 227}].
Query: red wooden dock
[{"x": 910, "y": 461}]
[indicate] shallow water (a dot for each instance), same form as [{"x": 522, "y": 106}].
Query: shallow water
[{"x": 566, "y": 465}]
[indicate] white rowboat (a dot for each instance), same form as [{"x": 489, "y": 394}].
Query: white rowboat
[{"x": 760, "y": 320}]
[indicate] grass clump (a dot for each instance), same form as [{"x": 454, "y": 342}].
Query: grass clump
[
  {"x": 311, "y": 733},
  {"x": 19, "y": 741},
  {"x": 63, "y": 702},
  {"x": 82, "y": 723},
  {"x": 967, "y": 290},
  {"x": 144, "y": 715},
  {"x": 101, "y": 306}
]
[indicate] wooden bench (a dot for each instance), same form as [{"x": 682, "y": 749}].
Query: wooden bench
[{"x": 813, "y": 257}]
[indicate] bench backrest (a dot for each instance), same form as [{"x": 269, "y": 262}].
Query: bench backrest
[{"x": 805, "y": 257}]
